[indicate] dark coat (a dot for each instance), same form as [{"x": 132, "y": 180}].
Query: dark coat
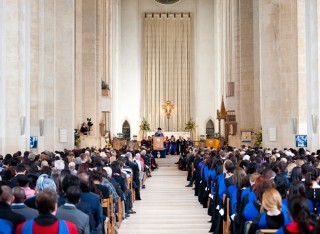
[{"x": 7, "y": 214}]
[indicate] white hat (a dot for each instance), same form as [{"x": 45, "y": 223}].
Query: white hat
[
  {"x": 277, "y": 155},
  {"x": 246, "y": 157}
]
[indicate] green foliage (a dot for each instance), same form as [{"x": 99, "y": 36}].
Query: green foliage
[
  {"x": 258, "y": 138},
  {"x": 77, "y": 139},
  {"x": 190, "y": 125},
  {"x": 144, "y": 126}
]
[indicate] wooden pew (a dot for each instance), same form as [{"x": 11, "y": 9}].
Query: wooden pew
[
  {"x": 129, "y": 181},
  {"x": 120, "y": 212},
  {"x": 266, "y": 231},
  {"x": 226, "y": 224},
  {"x": 108, "y": 204}
]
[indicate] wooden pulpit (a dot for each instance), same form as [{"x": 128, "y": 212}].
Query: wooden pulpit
[
  {"x": 213, "y": 143},
  {"x": 158, "y": 143}
]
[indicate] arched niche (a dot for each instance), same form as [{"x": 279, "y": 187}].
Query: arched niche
[
  {"x": 126, "y": 130},
  {"x": 210, "y": 129}
]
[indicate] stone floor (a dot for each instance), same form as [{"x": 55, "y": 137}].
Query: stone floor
[{"x": 167, "y": 206}]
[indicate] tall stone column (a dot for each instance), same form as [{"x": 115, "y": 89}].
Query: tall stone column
[
  {"x": 282, "y": 71},
  {"x": 312, "y": 71},
  {"x": 37, "y": 73},
  {"x": 14, "y": 20},
  {"x": 64, "y": 71}
]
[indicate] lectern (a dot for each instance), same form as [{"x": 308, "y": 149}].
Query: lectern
[{"x": 158, "y": 147}]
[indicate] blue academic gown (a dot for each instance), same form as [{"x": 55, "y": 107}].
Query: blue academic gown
[{"x": 263, "y": 220}]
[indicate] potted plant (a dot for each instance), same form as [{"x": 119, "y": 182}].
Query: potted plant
[
  {"x": 189, "y": 126},
  {"x": 144, "y": 126},
  {"x": 77, "y": 139}
]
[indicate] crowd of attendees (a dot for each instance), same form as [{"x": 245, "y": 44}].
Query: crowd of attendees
[
  {"x": 270, "y": 188},
  {"x": 61, "y": 192}
]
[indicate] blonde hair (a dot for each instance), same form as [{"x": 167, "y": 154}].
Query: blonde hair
[
  {"x": 299, "y": 162},
  {"x": 271, "y": 200},
  {"x": 290, "y": 167},
  {"x": 273, "y": 159}
]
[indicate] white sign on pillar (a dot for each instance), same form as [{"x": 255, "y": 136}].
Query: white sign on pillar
[
  {"x": 272, "y": 134},
  {"x": 63, "y": 135}
]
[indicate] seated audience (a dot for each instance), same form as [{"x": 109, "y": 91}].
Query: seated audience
[
  {"x": 6, "y": 213},
  {"x": 69, "y": 212},
  {"x": 301, "y": 217},
  {"x": 18, "y": 205},
  {"x": 46, "y": 222},
  {"x": 271, "y": 216}
]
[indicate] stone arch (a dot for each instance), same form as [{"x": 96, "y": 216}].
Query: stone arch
[
  {"x": 126, "y": 130},
  {"x": 210, "y": 129}
]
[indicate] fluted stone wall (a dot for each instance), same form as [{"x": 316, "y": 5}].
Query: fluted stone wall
[
  {"x": 37, "y": 73},
  {"x": 53, "y": 58}
]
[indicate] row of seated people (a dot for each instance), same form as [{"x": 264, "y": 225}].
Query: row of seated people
[
  {"x": 93, "y": 192},
  {"x": 248, "y": 190}
]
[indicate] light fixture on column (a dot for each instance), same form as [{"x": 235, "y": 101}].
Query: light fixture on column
[
  {"x": 294, "y": 125},
  {"x": 168, "y": 107},
  {"x": 41, "y": 125},
  {"x": 314, "y": 123},
  {"x": 22, "y": 125}
]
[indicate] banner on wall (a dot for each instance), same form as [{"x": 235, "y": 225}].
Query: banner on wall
[{"x": 301, "y": 141}]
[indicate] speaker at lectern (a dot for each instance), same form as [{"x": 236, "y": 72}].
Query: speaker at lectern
[{"x": 158, "y": 143}]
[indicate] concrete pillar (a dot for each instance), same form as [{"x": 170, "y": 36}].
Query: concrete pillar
[{"x": 282, "y": 70}]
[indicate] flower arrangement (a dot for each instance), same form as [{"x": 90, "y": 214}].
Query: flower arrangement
[
  {"x": 76, "y": 138},
  {"x": 258, "y": 138},
  {"x": 190, "y": 125},
  {"x": 144, "y": 126},
  {"x": 107, "y": 139}
]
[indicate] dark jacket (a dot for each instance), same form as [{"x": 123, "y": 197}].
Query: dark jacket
[{"x": 7, "y": 214}]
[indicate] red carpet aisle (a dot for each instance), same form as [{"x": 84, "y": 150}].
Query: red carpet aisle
[{"x": 167, "y": 206}]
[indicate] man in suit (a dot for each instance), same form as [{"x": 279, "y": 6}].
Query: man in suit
[
  {"x": 93, "y": 200},
  {"x": 18, "y": 205},
  {"x": 70, "y": 213},
  {"x": 71, "y": 180},
  {"x": 6, "y": 197},
  {"x": 135, "y": 174}
]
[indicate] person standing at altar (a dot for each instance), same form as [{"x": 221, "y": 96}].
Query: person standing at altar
[
  {"x": 173, "y": 145},
  {"x": 159, "y": 133},
  {"x": 188, "y": 143},
  {"x": 180, "y": 145},
  {"x": 167, "y": 144}
]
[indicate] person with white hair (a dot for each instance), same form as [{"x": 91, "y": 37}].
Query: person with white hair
[
  {"x": 72, "y": 168},
  {"x": 59, "y": 165},
  {"x": 44, "y": 182}
]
